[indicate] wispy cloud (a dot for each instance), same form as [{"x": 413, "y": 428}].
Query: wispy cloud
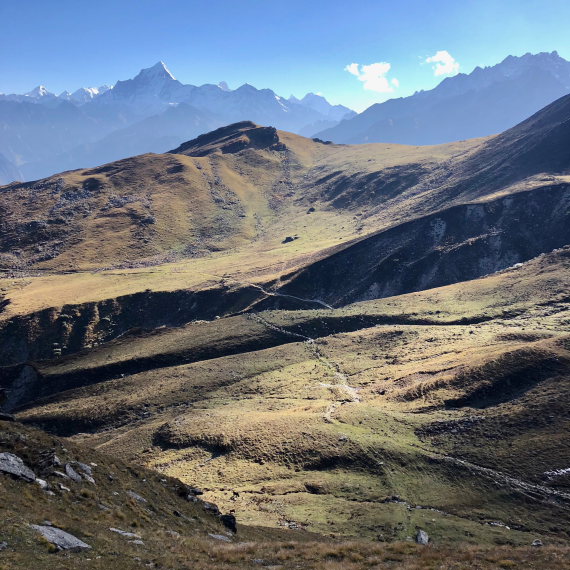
[
  {"x": 443, "y": 63},
  {"x": 373, "y": 76}
]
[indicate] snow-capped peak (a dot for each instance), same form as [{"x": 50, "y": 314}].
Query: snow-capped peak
[
  {"x": 157, "y": 71},
  {"x": 84, "y": 94},
  {"x": 39, "y": 91}
]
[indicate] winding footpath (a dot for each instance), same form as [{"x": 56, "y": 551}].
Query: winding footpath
[{"x": 341, "y": 385}]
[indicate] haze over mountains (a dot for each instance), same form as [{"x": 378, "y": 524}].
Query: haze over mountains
[
  {"x": 43, "y": 133},
  {"x": 484, "y": 102},
  {"x": 363, "y": 341}
]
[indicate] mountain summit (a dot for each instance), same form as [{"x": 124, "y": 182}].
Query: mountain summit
[
  {"x": 158, "y": 71},
  {"x": 484, "y": 102}
]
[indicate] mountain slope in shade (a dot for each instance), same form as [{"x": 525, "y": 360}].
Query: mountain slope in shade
[
  {"x": 8, "y": 171},
  {"x": 493, "y": 230},
  {"x": 485, "y": 102}
]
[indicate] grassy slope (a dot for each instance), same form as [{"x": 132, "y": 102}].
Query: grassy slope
[
  {"x": 228, "y": 212},
  {"x": 266, "y": 197},
  {"x": 324, "y": 433},
  {"x": 417, "y": 397},
  {"x": 183, "y": 540}
]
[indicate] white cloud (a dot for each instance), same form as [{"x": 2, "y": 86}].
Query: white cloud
[
  {"x": 373, "y": 76},
  {"x": 444, "y": 63},
  {"x": 352, "y": 68}
]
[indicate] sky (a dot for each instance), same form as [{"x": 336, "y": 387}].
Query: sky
[{"x": 355, "y": 52}]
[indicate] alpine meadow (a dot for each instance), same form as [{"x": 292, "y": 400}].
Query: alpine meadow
[{"x": 322, "y": 325}]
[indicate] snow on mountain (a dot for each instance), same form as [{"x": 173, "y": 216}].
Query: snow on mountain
[
  {"x": 150, "y": 91},
  {"x": 486, "y": 101},
  {"x": 86, "y": 94},
  {"x": 40, "y": 92}
]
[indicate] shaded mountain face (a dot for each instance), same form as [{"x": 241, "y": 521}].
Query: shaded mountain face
[
  {"x": 484, "y": 102},
  {"x": 8, "y": 171},
  {"x": 44, "y": 133}
]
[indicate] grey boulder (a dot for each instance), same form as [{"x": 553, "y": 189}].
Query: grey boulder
[
  {"x": 12, "y": 464},
  {"x": 71, "y": 473},
  {"x": 136, "y": 497},
  {"x": 63, "y": 540},
  {"x": 422, "y": 537}
]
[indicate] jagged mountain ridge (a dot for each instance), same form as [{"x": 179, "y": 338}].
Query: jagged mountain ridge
[
  {"x": 485, "y": 102},
  {"x": 102, "y": 124}
]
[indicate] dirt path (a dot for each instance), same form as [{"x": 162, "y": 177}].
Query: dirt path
[
  {"x": 342, "y": 391},
  {"x": 532, "y": 490}
]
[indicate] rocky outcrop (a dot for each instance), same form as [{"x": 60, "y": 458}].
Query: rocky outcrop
[
  {"x": 422, "y": 537},
  {"x": 13, "y": 465},
  {"x": 59, "y": 538}
]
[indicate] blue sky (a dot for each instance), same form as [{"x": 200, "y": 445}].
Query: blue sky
[{"x": 290, "y": 46}]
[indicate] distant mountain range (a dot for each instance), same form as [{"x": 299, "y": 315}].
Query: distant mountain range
[
  {"x": 42, "y": 133},
  {"x": 486, "y": 101}
]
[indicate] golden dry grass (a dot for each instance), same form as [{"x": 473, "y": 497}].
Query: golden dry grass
[{"x": 278, "y": 427}]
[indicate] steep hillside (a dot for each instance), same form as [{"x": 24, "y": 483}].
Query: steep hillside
[
  {"x": 484, "y": 102},
  {"x": 69, "y": 506},
  {"x": 492, "y": 229},
  {"x": 116, "y": 513}
]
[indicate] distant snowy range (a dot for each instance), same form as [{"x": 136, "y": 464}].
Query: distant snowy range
[{"x": 42, "y": 133}]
